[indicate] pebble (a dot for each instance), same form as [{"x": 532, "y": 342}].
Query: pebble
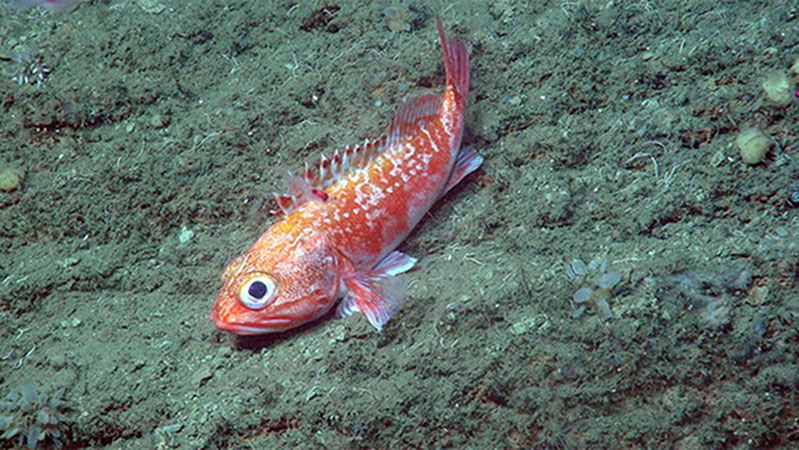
[
  {"x": 10, "y": 178},
  {"x": 151, "y": 6}
]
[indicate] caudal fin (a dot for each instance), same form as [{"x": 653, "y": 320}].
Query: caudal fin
[{"x": 456, "y": 61}]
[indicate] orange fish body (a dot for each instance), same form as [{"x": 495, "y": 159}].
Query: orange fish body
[{"x": 341, "y": 223}]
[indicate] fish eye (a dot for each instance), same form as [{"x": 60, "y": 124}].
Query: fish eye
[{"x": 258, "y": 291}]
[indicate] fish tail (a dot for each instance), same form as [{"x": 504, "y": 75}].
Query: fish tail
[{"x": 456, "y": 62}]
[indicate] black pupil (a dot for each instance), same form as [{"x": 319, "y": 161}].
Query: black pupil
[{"x": 257, "y": 290}]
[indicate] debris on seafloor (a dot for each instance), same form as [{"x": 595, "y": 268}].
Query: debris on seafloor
[
  {"x": 710, "y": 292},
  {"x": 596, "y": 286},
  {"x": 54, "y": 6}
]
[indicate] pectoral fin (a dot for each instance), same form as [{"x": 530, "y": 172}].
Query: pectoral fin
[{"x": 375, "y": 293}]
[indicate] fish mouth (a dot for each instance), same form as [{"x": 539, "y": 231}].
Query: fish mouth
[{"x": 242, "y": 329}]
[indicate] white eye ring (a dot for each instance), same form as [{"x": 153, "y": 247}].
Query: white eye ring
[{"x": 258, "y": 291}]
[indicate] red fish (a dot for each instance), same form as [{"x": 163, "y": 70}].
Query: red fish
[{"x": 341, "y": 223}]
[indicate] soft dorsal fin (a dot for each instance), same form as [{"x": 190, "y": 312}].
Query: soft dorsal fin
[
  {"x": 406, "y": 120},
  {"x": 315, "y": 179}
]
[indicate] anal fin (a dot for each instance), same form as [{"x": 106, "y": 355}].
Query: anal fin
[{"x": 395, "y": 263}]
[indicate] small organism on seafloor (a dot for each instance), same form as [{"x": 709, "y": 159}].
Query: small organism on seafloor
[
  {"x": 793, "y": 198},
  {"x": 32, "y": 416},
  {"x": 27, "y": 68},
  {"x": 340, "y": 225},
  {"x": 398, "y": 18},
  {"x": 56, "y": 6},
  {"x": 596, "y": 285}
]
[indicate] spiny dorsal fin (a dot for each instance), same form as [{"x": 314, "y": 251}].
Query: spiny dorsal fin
[
  {"x": 316, "y": 179},
  {"x": 329, "y": 170}
]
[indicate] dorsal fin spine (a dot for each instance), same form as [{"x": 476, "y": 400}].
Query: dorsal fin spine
[
  {"x": 308, "y": 174},
  {"x": 345, "y": 158},
  {"x": 335, "y": 165},
  {"x": 283, "y": 202},
  {"x": 323, "y": 169}
]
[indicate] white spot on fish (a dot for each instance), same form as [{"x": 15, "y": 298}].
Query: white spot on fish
[{"x": 430, "y": 139}]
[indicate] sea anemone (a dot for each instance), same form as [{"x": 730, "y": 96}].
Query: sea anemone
[
  {"x": 32, "y": 416},
  {"x": 596, "y": 285},
  {"x": 27, "y": 67}
]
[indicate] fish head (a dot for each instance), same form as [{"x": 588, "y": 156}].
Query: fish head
[{"x": 278, "y": 285}]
